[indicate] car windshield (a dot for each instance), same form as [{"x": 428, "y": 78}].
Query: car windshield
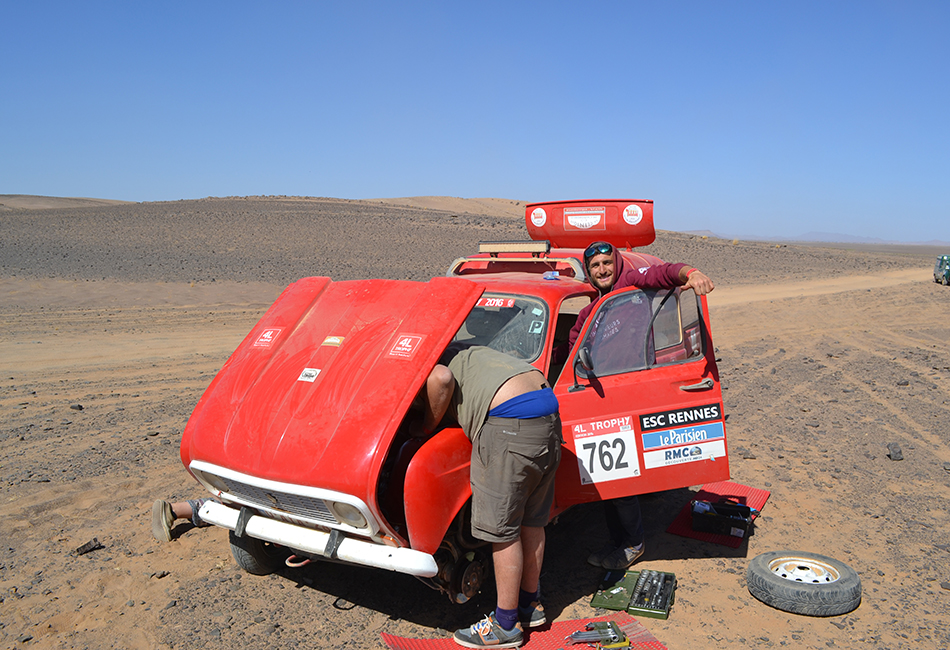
[{"x": 515, "y": 325}]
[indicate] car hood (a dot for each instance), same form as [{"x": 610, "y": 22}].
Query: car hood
[{"x": 315, "y": 393}]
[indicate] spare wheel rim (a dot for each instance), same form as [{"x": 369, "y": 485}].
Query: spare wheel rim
[{"x": 807, "y": 570}]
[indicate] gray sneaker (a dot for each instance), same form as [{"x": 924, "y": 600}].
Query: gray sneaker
[
  {"x": 489, "y": 633},
  {"x": 532, "y": 615},
  {"x": 623, "y": 557},
  {"x": 162, "y": 520},
  {"x": 597, "y": 557}
]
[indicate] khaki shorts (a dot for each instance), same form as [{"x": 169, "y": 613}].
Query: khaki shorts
[{"x": 512, "y": 474}]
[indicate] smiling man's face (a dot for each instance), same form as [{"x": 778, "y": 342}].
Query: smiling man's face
[{"x": 601, "y": 269}]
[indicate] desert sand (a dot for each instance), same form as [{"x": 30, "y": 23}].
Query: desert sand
[{"x": 116, "y": 317}]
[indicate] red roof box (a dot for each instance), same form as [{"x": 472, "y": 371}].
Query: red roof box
[{"x": 625, "y": 223}]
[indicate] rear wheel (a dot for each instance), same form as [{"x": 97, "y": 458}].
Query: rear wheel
[
  {"x": 804, "y": 583},
  {"x": 255, "y": 556}
]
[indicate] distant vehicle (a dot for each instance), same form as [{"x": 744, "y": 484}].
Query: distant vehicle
[
  {"x": 942, "y": 269},
  {"x": 304, "y": 439}
]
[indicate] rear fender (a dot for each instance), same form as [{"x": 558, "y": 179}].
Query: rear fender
[{"x": 437, "y": 486}]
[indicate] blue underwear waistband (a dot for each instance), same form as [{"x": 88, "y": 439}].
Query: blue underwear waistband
[{"x": 535, "y": 404}]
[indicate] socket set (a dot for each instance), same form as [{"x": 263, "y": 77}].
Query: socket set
[{"x": 639, "y": 593}]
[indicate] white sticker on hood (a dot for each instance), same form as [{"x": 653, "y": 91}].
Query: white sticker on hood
[
  {"x": 633, "y": 214},
  {"x": 539, "y": 217},
  {"x": 309, "y": 374},
  {"x": 267, "y": 337}
]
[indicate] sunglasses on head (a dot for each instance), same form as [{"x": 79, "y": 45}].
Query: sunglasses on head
[{"x": 598, "y": 248}]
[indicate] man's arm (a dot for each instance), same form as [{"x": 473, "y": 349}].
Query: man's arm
[
  {"x": 696, "y": 280},
  {"x": 438, "y": 391}
]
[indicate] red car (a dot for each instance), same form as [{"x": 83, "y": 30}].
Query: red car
[{"x": 304, "y": 436}]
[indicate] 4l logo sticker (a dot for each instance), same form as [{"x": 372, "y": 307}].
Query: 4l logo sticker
[
  {"x": 267, "y": 337},
  {"x": 405, "y": 346}
]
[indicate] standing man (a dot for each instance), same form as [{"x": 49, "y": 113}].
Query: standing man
[
  {"x": 510, "y": 414},
  {"x": 606, "y": 271}
]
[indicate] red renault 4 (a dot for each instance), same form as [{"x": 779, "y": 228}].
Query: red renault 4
[{"x": 305, "y": 440}]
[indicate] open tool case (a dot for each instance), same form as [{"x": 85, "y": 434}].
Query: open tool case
[
  {"x": 722, "y": 518},
  {"x": 639, "y": 593}
]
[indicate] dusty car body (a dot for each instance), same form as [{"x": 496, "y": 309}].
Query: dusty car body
[
  {"x": 942, "y": 270},
  {"x": 305, "y": 435}
]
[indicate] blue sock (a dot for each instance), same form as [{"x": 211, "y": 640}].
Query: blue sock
[
  {"x": 525, "y": 598},
  {"x": 507, "y": 617}
]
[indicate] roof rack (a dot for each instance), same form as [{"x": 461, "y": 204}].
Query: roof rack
[{"x": 529, "y": 246}]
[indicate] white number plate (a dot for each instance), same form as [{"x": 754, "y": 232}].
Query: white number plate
[{"x": 607, "y": 457}]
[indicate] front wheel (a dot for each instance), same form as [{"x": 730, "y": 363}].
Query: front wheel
[
  {"x": 804, "y": 583},
  {"x": 255, "y": 556}
]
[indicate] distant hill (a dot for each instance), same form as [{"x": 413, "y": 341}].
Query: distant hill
[
  {"x": 30, "y": 202},
  {"x": 822, "y": 238}
]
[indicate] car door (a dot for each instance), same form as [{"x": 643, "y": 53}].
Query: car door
[{"x": 646, "y": 413}]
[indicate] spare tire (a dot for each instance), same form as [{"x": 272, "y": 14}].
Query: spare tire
[{"x": 804, "y": 583}]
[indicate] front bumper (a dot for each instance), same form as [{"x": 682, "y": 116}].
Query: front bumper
[{"x": 298, "y": 538}]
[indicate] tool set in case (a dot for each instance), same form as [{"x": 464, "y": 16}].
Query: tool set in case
[{"x": 639, "y": 593}]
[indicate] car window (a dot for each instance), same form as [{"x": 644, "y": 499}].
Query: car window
[
  {"x": 515, "y": 325},
  {"x": 620, "y": 338}
]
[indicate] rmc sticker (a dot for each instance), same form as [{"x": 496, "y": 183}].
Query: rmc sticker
[
  {"x": 267, "y": 337},
  {"x": 405, "y": 346},
  {"x": 606, "y": 450}
]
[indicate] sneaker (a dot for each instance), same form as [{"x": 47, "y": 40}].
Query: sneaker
[
  {"x": 532, "y": 615},
  {"x": 489, "y": 633},
  {"x": 623, "y": 557},
  {"x": 162, "y": 520},
  {"x": 597, "y": 557}
]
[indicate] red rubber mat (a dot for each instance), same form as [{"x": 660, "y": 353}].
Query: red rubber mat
[
  {"x": 752, "y": 497},
  {"x": 544, "y": 638}
]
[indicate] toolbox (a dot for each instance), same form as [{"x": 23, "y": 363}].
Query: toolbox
[
  {"x": 639, "y": 593},
  {"x": 722, "y": 518}
]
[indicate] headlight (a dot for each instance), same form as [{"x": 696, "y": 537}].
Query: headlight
[
  {"x": 349, "y": 514},
  {"x": 214, "y": 481}
]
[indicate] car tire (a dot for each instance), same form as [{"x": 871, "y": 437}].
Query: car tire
[
  {"x": 255, "y": 556},
  {"x": 804, "y": 583}
]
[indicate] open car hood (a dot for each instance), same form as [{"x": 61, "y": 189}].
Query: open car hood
[{"x": 315, "y": 393}]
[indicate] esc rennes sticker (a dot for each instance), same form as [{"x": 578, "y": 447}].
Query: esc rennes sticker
[
  {"x": 405, "y": 346},
  {"x": 267, "y": 337}
]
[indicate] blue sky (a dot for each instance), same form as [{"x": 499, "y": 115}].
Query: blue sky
[{"x": 744, "y": 118}]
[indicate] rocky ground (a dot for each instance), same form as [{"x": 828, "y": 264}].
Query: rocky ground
[{"x": 116, "y": 317}]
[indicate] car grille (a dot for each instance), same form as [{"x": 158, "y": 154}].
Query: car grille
[{"x": 308, "y": 508}]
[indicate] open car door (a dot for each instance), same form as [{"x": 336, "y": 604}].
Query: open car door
[{"x": 640, "y": 400}]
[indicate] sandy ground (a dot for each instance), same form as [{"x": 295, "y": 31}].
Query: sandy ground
[{"x": 116, "y": 317}]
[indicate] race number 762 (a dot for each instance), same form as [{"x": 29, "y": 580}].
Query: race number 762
[{"x": 607, "y": 457}]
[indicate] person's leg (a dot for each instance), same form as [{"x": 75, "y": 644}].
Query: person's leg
[
  {"x": 628, "y": 526},
  {"x": 532, "y": 544},
  {"x": 509, "y": 562},
  {"x": 165, "y": 514},
  {"x": 624, "y": 525}
]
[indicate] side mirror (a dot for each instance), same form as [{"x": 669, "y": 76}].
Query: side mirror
[{"x": 583, "y": 359}]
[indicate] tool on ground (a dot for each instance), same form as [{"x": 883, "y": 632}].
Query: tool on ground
[{"x": 605, "y": 634}]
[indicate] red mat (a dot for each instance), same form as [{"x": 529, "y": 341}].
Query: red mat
[
  {"x": 752, "y": 497},
  {"x": 545, "y": 638}
]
